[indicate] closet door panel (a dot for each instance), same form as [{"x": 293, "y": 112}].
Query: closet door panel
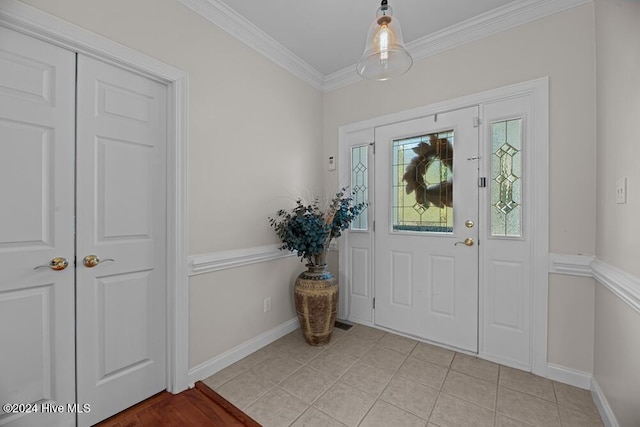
[
  {"x": 37, "y": 108},
  {"x": 121, "y": 297}
]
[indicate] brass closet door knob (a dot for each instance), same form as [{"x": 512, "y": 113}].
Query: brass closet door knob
[
  {"x": 91, "y": 261},
  {"x": 57, "y": 263}
]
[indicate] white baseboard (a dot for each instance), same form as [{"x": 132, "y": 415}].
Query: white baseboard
[
  {"x": 569, "y": 376},
  {"x": 606, "y": 413},
  {"x": 241, "y": 351}
]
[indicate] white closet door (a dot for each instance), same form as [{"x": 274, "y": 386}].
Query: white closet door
[
  {"x": 37, "y": 364},
  {"x": 121, "y": 205}
]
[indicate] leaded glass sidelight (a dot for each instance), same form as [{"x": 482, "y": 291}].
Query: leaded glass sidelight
[
  {"x": 360, "y": 183},
  {"x": 423, "y": 183},
  {"x": 506, "y": 175}
]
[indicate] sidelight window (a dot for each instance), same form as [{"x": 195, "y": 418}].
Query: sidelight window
[
  {"x": 360, "y": 183},
  {"x": 506, "y": 178}
]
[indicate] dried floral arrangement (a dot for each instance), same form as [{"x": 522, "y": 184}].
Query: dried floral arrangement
[{"x": 307, "y": 229}]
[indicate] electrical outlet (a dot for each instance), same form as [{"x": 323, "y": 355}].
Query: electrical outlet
[
  {"x": 621, "y": 190},
  {"x": 267, "y": 304}
]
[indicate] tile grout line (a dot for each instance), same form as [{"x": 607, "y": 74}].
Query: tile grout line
[
  {"x": 389, "y": 381},
  {"x": 306, "y": 364},
  {"x": 367, "y": 337}
]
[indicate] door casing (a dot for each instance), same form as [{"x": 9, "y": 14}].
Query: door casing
[
  {"x": 28, "y": 20},
  {"x": 362, "y": 133}
]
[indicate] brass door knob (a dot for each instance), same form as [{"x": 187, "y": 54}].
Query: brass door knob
[
  {"x": 91, "y": 261},
  {"x": 468, "y": 241},
  {"x": 57, "y": 263}
]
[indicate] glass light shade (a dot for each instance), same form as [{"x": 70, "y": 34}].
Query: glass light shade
[{"x": 384, "y": 55}]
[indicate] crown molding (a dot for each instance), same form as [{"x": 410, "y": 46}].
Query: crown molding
[
  {"x": 239, "y": 27},
  {"x": 500, "y": 19},
  {"x": 503, "y": 18}
]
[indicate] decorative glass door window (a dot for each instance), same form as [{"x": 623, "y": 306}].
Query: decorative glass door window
[
  {"x": 360, "y": 183},
  {"x": 506, "y": 178},
  {"x": 422, "y": 183}
]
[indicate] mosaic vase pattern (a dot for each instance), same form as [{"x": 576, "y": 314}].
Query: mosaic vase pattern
[{"x": 316, "y": 301}]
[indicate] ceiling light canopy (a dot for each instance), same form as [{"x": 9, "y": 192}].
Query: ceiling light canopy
[{"x": 384, "y": 54}]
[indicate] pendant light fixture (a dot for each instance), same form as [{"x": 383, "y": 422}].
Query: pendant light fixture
[{"x": 384, "y": 54}]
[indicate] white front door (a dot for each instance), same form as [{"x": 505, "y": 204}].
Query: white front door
[
  {"x": 121, "y": 302},
  {"x": 91, "y": 333},
  {"x": 426, "y": 214},
  {"x": 37, "y": 107}
]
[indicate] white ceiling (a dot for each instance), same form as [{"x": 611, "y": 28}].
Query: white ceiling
[
  {"x": 330, "y": 34},
  {"x": 321, "y": 40}
]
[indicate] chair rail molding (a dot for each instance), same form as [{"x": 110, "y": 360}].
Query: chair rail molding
[
  {"x": 572, "y": 265},
  {"x": 221, "y": 260},
  {"x": 623, "y": 284}
]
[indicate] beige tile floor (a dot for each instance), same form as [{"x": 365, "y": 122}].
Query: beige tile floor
[{"x": 367, "y": 377}]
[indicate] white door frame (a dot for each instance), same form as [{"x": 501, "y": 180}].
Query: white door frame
[
  {"x": 539, "y": 201},
  {"x": 41, "y": 25}
]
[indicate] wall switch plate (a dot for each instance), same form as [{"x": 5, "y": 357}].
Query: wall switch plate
[
  {"x": 332, "y": 163},
  {"x": 621, "y": 190},
  {"x": 267, "y": 304}
]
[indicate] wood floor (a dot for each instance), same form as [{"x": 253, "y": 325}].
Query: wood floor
[{"x": 199, "y": 406}]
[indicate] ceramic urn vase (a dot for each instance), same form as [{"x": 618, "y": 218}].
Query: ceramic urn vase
[{"x": 316, "y": 301}]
